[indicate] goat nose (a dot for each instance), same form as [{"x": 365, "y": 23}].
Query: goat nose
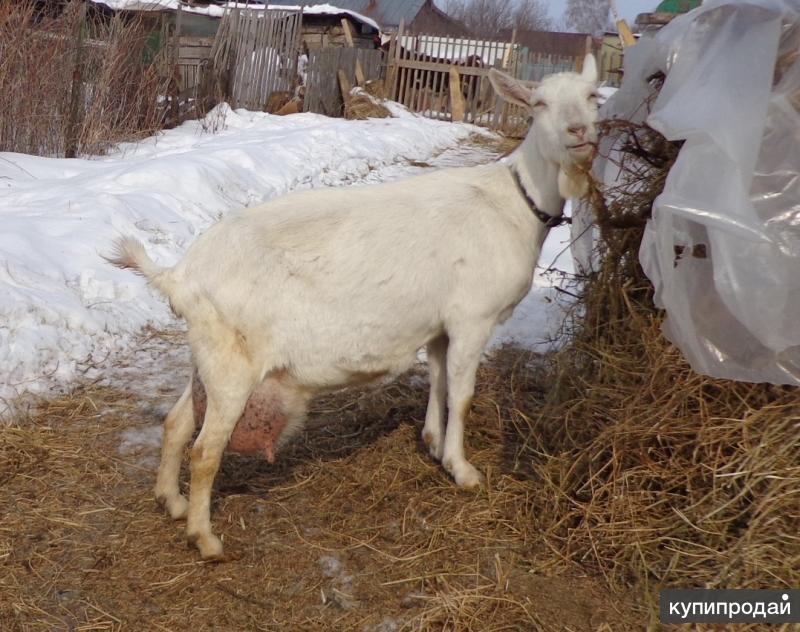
[{"x": 577, "y": 130}]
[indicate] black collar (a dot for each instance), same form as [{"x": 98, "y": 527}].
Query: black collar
[{"x": 551, "y": 221}]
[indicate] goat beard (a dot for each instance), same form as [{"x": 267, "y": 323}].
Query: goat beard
[{"x": 573, "y": 179}]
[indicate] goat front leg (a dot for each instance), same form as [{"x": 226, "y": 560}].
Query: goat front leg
[
  {"x": 226, "y": 401},
  {"x": 178, "y": 428},
  {"x": 463, "y": 356},
  {"x": 435, "y": 416}
]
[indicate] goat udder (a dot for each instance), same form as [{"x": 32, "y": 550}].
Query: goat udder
[{"x": 260, "y": 425}]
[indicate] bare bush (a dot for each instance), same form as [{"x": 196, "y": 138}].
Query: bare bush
[
  {"x": 75, "y": 82},
  {"x": 588, "y": 16},
  {"x": 487, "y": 18}
]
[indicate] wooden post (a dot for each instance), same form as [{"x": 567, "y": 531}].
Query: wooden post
[
  {"x": 174, "y": 87},
  {"x": 625, "y": 35},
  {"x": 73, "y": 123},
  {"x": 344, "y": 85},
  {"x": 509, "y": 51},
  {"x": 348, "y": 35},
  {"x": 391, "y": 67},
  {"x": 361, "y": 79},
  {"x": 457, "y": 106},
  {"x": 394, "y": 86},
  {"x": 298, "y": 50}
]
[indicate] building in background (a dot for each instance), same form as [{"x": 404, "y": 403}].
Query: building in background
[{"x": 419, "y": 16}]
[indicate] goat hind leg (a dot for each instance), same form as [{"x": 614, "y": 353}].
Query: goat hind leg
[
  {"x": 435, "y": 416},
  {"x": 178, "y": 428},
  {"x": 227, "y": 394}
]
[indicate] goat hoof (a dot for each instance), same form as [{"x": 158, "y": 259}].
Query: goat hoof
[
  {"x": 434, "y": 444},
  {"x": 209, "y": 545},
  {"x": 467, "y": 476},
  {"x": 178, "y": 507}
]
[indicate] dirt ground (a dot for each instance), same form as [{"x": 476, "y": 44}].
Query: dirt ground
[{"x": 353, "y": 528}]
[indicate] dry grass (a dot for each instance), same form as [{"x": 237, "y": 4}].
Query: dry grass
[
  {"x": 76, "y": 82},
  {"x": 353, "y": 529},
  {"x": 613, "y": 470},
  {"x": 363, "y": 105}
]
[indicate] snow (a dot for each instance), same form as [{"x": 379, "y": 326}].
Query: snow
[
  {"x": 65, "y": 313},
  {"x": 136, "y": 438},
  {"x": 536, "y": 321},
  {"x": 216, "y": 11}
]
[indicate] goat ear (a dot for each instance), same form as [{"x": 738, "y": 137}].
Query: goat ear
[
  {"x": 589, "y": 68},
  {"x": 510, "y": 89}
]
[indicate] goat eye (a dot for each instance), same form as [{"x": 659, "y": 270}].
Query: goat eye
[
  {"x": 594, "y": 96},
  {"x": 540, "y": 104}
]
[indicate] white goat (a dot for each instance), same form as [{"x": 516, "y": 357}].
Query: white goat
[{"x": 330, "y": 287}]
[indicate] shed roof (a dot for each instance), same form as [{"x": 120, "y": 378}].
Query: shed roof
[
  {"x": 216, "y": 8},
  {"x": 388, "y": 13}
]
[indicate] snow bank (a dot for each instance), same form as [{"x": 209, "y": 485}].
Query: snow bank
[
  {"x": 63, "y": 309},
  {"x": 217, "y": 11}
]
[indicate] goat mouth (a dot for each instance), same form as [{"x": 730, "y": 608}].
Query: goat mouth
[{"x": 582, "y": 152}]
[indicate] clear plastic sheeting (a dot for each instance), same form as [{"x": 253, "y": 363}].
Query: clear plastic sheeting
[{"x": 723, "y": 246}]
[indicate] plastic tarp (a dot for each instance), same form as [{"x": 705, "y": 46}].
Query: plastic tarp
[{"x": 732, "y": 92}]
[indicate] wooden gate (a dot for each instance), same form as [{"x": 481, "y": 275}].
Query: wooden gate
[
  {"x": 323, "y": 93},
  {"x": 258, "y": 49}
]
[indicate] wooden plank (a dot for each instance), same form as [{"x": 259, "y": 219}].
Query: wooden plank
[
  {"x": 188, "y": 40},
  {"x": 344, "y": 85},
  {"x": 391, "y": 72},
  {"x": 394, "y": 93},
  {"x": 361, "y": 79},
  {"x": 414, "y": 83},
  {"x": 194, "y": 53},
  {"x": 456, "y": 98},
  {"x": 298, "y": 48},
  {"x": 348, "y": 33},
  {"x": 429, "y": 65}
]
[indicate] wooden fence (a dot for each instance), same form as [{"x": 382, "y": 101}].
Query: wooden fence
[
  {"x": 531, "y": 65},
  {"x": 255, "y": 54},
  {"x": 323, "y": 92},
  {"x": 610, "y": 66},
  {"x": 193, "y": 56},
  {"x": 258, "y": 49},
  {"x": 447, "y": 78}
]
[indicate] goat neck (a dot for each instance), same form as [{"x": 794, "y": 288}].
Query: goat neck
[{"x": 539, "y": 176}]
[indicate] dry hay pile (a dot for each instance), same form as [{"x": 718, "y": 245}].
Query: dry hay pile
[
  {"x": 362, "y": 104},
  {"x": 353, "y": 529},
  {"x": 643, "y": 469}
]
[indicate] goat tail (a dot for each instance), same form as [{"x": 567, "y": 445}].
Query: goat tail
[{"x": 129, "y": 253}]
